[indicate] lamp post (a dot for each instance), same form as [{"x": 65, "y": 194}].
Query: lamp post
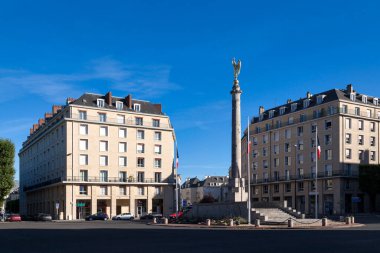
[
  {"x": 72, "y": 185},
  {"x": 295, "y": 175}
]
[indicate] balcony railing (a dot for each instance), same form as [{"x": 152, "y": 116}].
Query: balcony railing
[
  {"x": 131, "y": 121},
  {"x": 311, "y": 176},
  {"x": 116, "y": 180}
]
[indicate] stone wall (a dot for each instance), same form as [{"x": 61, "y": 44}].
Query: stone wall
[{"x": 218, "y": 210}]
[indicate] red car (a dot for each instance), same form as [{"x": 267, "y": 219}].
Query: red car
[
  {"x": 14, "y": 217},
  {"x": 174, "y": 215}
]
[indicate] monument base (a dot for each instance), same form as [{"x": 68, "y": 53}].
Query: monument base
[{"x": 237, "y": 191}]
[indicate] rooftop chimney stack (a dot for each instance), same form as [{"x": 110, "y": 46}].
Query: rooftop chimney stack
[
  {"x": 56, "y": 108},
  {"x": 41, "y": 122},
  {"x": 288, "y": 101},
  {"x": 308, "y": 94},
  {"x": 109, "y": 98},
  {"x": 69, "y": 101},
  {"x": 261, "y": 110},
  {"x": 350, "y": 89},
  {"x": 128, "y": 101}
]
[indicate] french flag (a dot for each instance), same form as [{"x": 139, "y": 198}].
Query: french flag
[
  {"x": 318, "y": 149},
  {"x": 177, "y": 160}
]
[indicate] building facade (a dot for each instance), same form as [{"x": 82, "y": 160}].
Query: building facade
[
  {"x": 283, "y": 154},
  {"x": 194, "y": 190},
  {"x": 99, "y": 153}
]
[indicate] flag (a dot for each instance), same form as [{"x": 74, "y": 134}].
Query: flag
[
  {"x": 249, "y": 147},
  {"x": 176, "y": 161},
  {"x": 318, "y": 149}
]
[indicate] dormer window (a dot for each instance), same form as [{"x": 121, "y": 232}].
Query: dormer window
[
  {"x": 261, "y": 117},
  {"x": 282, "y": 110},
  {"x": 100, "y": 102},
  {"x": 294, "y": 107},
  {"x": 364, "y": 99},
  {"x": 306, "y": 103},
  {"x": 119, "y": 105},
  {"x": 376, "y": 101},
  {"x": 353, "y": 97},
  {"x": 137, "y": 107},
  {"x": 271, "y": 114},
  {"x": 320, "y": 99}
]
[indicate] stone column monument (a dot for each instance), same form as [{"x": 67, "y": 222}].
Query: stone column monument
[{"x": 236, "y": 182}]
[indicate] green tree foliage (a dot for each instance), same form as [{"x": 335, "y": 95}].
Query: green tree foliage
[
  {"x": 369, "y": 182},
  {"x": 7, "y": 171}
]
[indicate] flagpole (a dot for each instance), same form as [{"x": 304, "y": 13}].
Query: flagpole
[
  {"x": 316, "y": 171},
  {"x": 249, "y": 176}
]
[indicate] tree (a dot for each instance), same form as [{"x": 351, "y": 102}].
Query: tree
[
  {"x": 7, "y": 171},
  {"x": 208, "y": 199},
  {"x": 369, "y": 182}
]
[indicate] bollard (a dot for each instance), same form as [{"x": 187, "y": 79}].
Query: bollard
[
  {"x": 231, "y": 223},
  {"x": 348, "y": 220},
  {"x": 290, "y": 223},
  {"x": 208, "y": 222},
  {"x": 166, "y": 221},
  {"x": 257, "y": 223},
  {"x": 324, "y": 222},
  {"x": 352, "y": 220},
  {"x": 154, "y": 220},
  {"x": 303, "y": 216}
]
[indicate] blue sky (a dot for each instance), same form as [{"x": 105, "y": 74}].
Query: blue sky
[{"x": 179, "y": 53}]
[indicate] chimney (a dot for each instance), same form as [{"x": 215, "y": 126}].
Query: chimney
[
  {"x": 48, "y": 116},
  {"x": 350, "y": 89},
  {"x": 288, "y": 101},
  {"x": 128, "y": 101},
  {"x": 31, "y": 131},
  {"x": 158, "y": 107},
  {"x": 308, "y": 94},
  {"x": 35, "y": 127},
  {"x": 69, "y": 100},
  {"x": 261, "y": 110},
  {"x": 109, "y": 98},
  {"x": 56, "y": 109},
  {"x": 41, "y": 122}
]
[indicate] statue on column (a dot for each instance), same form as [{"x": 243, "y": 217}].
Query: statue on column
[{"x": 237, "y": 67}]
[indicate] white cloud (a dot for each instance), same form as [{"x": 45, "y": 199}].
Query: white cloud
[{"x": 143, "y": 81}]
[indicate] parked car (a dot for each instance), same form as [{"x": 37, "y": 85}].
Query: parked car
[
  {"x": 123, "y": 216},
  {"x": 174, "y": 215},
  {"x": 43, "y": 217},
  {"x": 150, "y": 216},
  {"x": 13, "y": 217},
  {"x": 97, "y": 216}
]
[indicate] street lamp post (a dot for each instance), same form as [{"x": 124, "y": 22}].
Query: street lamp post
[{"x": 295, "y": 176}]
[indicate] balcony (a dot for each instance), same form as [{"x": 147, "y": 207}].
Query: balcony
[
  {"x": 127, "y": 122},
  {"x": 117, "y": 180}
]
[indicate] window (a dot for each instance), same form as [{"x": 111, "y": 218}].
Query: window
[
  {"x": 267, "y": 126},
  {"x": 282, "y": 110},
  {"x": 122, "y": 133},
  {"x": 312, "y": 156},
  {"x": 265, "y": 176},
  {"x": 102, "y": 117},
  {"x": 313, "y": 128},
  {"x": 265, "y": 139},
  {"x": 353, "y": 96},
  {"x": 376, "y": 101},
  {"x": 344, "y": 109},
  {"x": 103, "y": 131},
  {"x": 361, "y": 154},
  {"x": 122, "y": 190},
  {"x": 373, "y": 141},
  {"x": 157, "y": 190},
  {"x": 288, "y": 187},
  {"x": 300, "y": 159},
  {"x": 361, "y": 139},
  {"x": 364, "y": 99},
  {"x": 103, "y": 176},
  {"x": 156, "y": 123},
  {"x": 294, "y": 107},
  {"x": 264, "y": 151},
  {"x": 83, "y": 174},
  {"x": 328, "y": 154},
  {"x": 276, "y": 188},
  {"x": 157, "y": 177},
  {"x": 320, "y": 99},
  {"x": 276, "y": 162},
  {"x": 138, "y": 121},
  {"x": 348, "y": 138},
  {"x": 122, "y": 161},
  {"x": 288, "y": 133},
  {"x": 300, "y": 173},
  {"x": 361, "y": 124},
  {"x": 278, "y": 123},
  {"x": 83, "y": 159},
  {"x": 276, "y": 136},
  {"x": 271, "y": 114},
  {"x": 120, "y": 119},
  {"x": 119, "y": 105},
  {"x": 265, "y": 164},
  {"x": 276, "y": 175},
  {"x": 83, "y": 129},
  {"x": 140, "y": 177},
  {"x": 103, "y": 160},
  {"x": 140, "y": 191},
  {"x": 357, "y": 111},
  {"x": 300, "y": 131},
  {"x": 261, "y": 117},
  {"x": 140, "y": 148},
  {"x": 288, "y": 161},
  {"x": 373, "y": 156},
  {"x": 300, "y": 187},
  {"x": 122, "y": 176},
  {"x": 328, "y": 139},
  {"x": 329, "y": 184},
  {"x": 290, "y": 120},
  {"x": 140, "y": 134},
  {"x": 103, "y": 146},
  {"x": 100, "y": 102},
  {"x": 122, "y": 147},
  {"x": 137, "y": 107},
  {"x": 373, "y": 126},
  {"x": 348, "y": 153},
  {"x": 157, "y": 149},
  {"x": 140, "y": 162},
  {"x": 276, "y": 149},
  {"x": 157, "y": 163},
  {"x": 83, "y": 144},
  {"x": 306, "y": 103},
  {"x": 83, "y": 115},
  {"x": 83, "y": 190},
  {"x": 300, "y": 145},
  {"x": 328, "y": 170},
  {"x": 103, "y": 190},
  {"x": 265, "y": 189},
  {"x": 328, "y": 125},
  {"x": 348, "y": 123},
  {"x": 287, "y": 147},
  {"x": 255, "y": 165},
  {"x": 254, "y": 141},
  {"x": 369, "y": 113},
  {"x": 157, "y": 136}
]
